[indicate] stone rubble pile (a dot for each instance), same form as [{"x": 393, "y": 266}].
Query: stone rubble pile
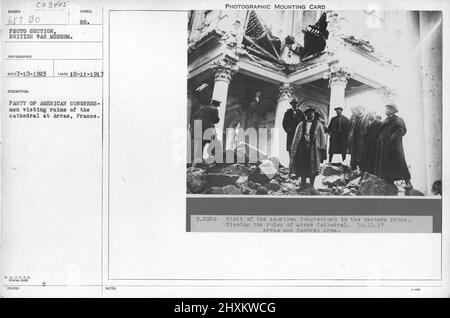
[{"x": 269, "y": 177}]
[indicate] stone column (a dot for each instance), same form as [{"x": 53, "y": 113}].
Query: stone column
[
  {"x": 338, "y": 78},
  {"x": 279, "y": 137},
  {"x": 189, "y": 105},
  {"x": 223, "y": 70},
  {"x": 411, "y": 106},
  {"x": 431, "y": 71}
]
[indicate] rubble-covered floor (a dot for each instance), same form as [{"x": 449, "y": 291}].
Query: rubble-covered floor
[{"x": 267, "y": 177}]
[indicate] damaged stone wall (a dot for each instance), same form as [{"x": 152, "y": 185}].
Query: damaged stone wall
[{"x": 253, "y": 104}]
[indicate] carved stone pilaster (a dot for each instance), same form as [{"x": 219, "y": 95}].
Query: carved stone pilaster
[
  {"x": 224, "y": 69},
  {"x": 207, "y": 22},
  {"x": 231, "y": 28},
  {"x": 335, "y": 32},
  {"x": 338, "y": 75},
  {"x": 286, "y": 92}
]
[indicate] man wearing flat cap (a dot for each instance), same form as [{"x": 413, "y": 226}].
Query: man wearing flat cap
[
  {"x": 307, "y": 149},
  {"x": 292, "y": 117},
  {"x": 338, "y": 129},
  {"x": 390, "y": 163}
]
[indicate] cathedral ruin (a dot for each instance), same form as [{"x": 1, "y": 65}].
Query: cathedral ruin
[{"x": 255, "y": 62}]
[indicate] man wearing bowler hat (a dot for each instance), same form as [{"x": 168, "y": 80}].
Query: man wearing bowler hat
[
  {"x": 390, "y": 163},
  {"x": 209, "y": 116},
  {"x": 292, "y": 117},
  {"x": 338, "y": 129}
]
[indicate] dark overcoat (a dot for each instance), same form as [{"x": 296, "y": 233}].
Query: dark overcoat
[
  {"x": 291, "y": 120},
  {"x": 356, "y": 138},
  {"x": 390, "y": 157},
  {"x": 338, "y": 134},
  {"x": 349, "y": 144},
  {"x": 370, "y": 146},
  {"x": 209, "y": 115}
]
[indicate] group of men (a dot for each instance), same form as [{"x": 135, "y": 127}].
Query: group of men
[{"x": 374, "y": 146}]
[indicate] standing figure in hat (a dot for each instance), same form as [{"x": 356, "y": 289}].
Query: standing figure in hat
[
  {"x": 370, "y": 143},
  {"x": 390, "y": 163},
  {"x": 307, "y": 148},
  {"x": 292, "y": 117},
  {"x": 209, "y": 116},
  {"x": 338, "y": 129},
  {"x": 354, "y": 111}
]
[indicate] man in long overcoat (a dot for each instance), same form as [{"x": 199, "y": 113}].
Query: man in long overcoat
[
  {"x": 209, "y": 116},
  {"x": 338, "y": 129},
  {"x": 356, "y": 137},
  {"x": 370, "y": 143},
  {"x": 390, "y": 163},
  {"x": 292, "y": 117},
  {"x": 353, "y": 111},
  {"x": 307, "y": 149}
]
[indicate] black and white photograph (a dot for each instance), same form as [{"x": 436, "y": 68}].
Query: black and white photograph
[
  {"x": 314, "y": 102},
  {"x": 240, "y": 150}
]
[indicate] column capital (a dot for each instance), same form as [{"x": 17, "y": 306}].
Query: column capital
[
  {"x": 224, "y": 69},
  {"x": 286, "y": 92},
  {"x": 338, "y": 75}
]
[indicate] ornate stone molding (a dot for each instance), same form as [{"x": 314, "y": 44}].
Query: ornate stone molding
[
  {"x": 338, "y": 75},
  {"x": 389, "y": 94},
  {"x": 388, "y": 91},
  {"x": 224, "y": 69},
  {"x": 207, "y": 23},
  {"x": 286, "y": 92},
  {"x": 232, "y": 38},
  {"x": 226, "y": 26},
  {"x": 387, "y": 62}
]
